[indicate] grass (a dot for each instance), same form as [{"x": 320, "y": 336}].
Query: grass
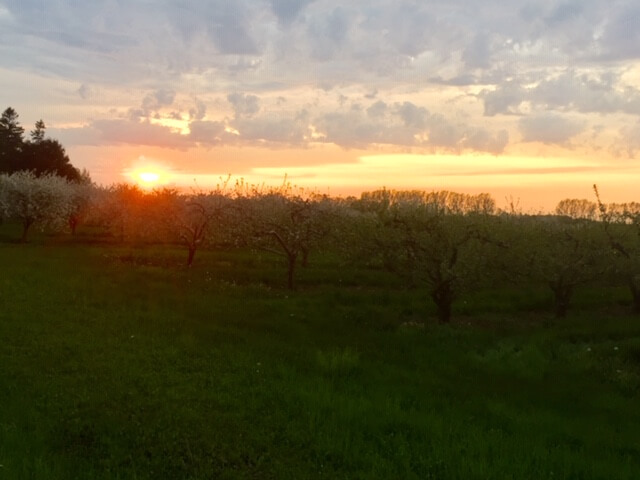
[{"x": 118, "y": 363}]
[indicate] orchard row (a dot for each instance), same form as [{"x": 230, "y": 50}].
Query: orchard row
[{"x": 445, "y": 243}]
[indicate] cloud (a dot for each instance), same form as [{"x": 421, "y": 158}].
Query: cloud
[
  {"x": 231, "y": 31},
  {"x": 406, "y": 125},
  {"x": 505, "y": 99},
  {"x": 244, "y": 105},
  {"x": 273, "y": 128},
  {"x": 629, "y": 142},
  {"x": 328, "y": 33},
  {"x": 354, "y": 130},
  {"x": 477, "y": 54},
  {"x": 505, "y": 61},
  {"x": 549, "y": 128},
  {"x": 412, "y": 116},
  {"x": 587, "y": 93},
  {"x": 210, "y": 133},
  {"x": 288, "y": 10},
  {"x": 84, "y": 91},
  {"x": 594, "y": 92},
  {"x": 377, "y": 109},
  {"x": 199, "y": 111},
  {"x": 481, "y": 140},
  {"x": 126, "y": 131},
  {"x": 158, "y": 99},
  {"x": 621, "y": 36}
]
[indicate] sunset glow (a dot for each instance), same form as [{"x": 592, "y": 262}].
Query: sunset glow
[
  {"x": 148, "y": 177},
  {"x": 339, "y": 99}
]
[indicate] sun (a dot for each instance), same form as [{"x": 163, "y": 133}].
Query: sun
[{"x": 149, "y": 178}]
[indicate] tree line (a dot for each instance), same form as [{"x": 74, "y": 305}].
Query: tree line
[
  {"x": 447, "y": 244},
  {"x": 37, "y": 153}
]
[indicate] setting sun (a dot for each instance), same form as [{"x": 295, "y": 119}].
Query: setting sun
[{"x": 148, "y": 177}]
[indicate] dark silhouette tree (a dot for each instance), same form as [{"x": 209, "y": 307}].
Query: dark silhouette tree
[
  {"x": 45, "y": 155},
  {"x": 37, "y": 134},
  {"x": 11, "y": 142},
  {"x": 38, "y": 154}
]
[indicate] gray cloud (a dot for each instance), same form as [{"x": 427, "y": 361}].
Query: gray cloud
[
  {"x": 504, "y": 99},
  {"x": 158, "y": 99},
  {"x": 412, "y": 115},
  {"x": 210, "y": 133},
  {"x": 482, "y": 140},
  {"x": 477, "y": 54},
  {"x": 354, "y": 130},
  {"x": 288, "y": 10},
  {"x": 406, "y": 125},
  {"x": 549, "y": 128},
  {"x": 199, "y": 111},
  {"x": 629, "y": 142},
  {"x": 126, "y": 131},
  {"x": 272, "y": 129},
  {"x": 84, "y": 91},
  {"x": 515, "y": 51},
  {"x": 377, "y": 109},
  {"x": 597, "y": 92},
  {"x": 230, "y": 30},
  {"x": 328, "y": 33},
  {"x": 622, "y": 32},
  {"x": 244, "y": 105}
]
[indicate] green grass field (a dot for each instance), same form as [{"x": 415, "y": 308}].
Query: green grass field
[{"x": 117, "y": 362}]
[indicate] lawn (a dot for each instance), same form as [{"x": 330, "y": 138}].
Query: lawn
[{"x": 117, "y": 362}]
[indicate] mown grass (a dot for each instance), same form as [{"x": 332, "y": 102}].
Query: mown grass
[{"x": 116, "y": 362}]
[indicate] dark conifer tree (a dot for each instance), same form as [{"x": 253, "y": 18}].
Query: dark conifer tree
[
  {"x": 11, "y": 141},
  {"x": 39, "y": 154}
]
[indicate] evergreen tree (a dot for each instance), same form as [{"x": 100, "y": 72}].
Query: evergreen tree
[
  {"x": 11, "y": 142},
  {"x": 38, "y": 154},
  {"x": 37, "y": 134},
  {"x": 48, "y": 156}
]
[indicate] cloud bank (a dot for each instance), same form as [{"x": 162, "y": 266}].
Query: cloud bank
[{"x": 441, "y": 76}]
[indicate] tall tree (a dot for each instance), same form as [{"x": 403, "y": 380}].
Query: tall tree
[
  {"x": 45, "y": 155},
  {"x": 38, "y": 154},
  {"x": 37, "y": 134},
  {"x": 11, "y": 142}
]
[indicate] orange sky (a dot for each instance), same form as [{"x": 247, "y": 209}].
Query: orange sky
[{"x": 536, "y": 183}]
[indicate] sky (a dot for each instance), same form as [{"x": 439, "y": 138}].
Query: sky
[{"x": 532, "y": 101}]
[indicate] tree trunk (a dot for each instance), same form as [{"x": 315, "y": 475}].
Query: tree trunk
[
  {"x": 73, "y": 224},
  {"x": 562, "y": 296},
  {"x": 25, "y": 230},
  {"x": 192, "y": 253},
  {"x": 442, "y": 295}
]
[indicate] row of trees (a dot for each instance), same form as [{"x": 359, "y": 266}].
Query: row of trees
[
  {"x": 445, "y": 243},
  {"x": 48, "y": 201},
  {"x": 37, "y": 154}
]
